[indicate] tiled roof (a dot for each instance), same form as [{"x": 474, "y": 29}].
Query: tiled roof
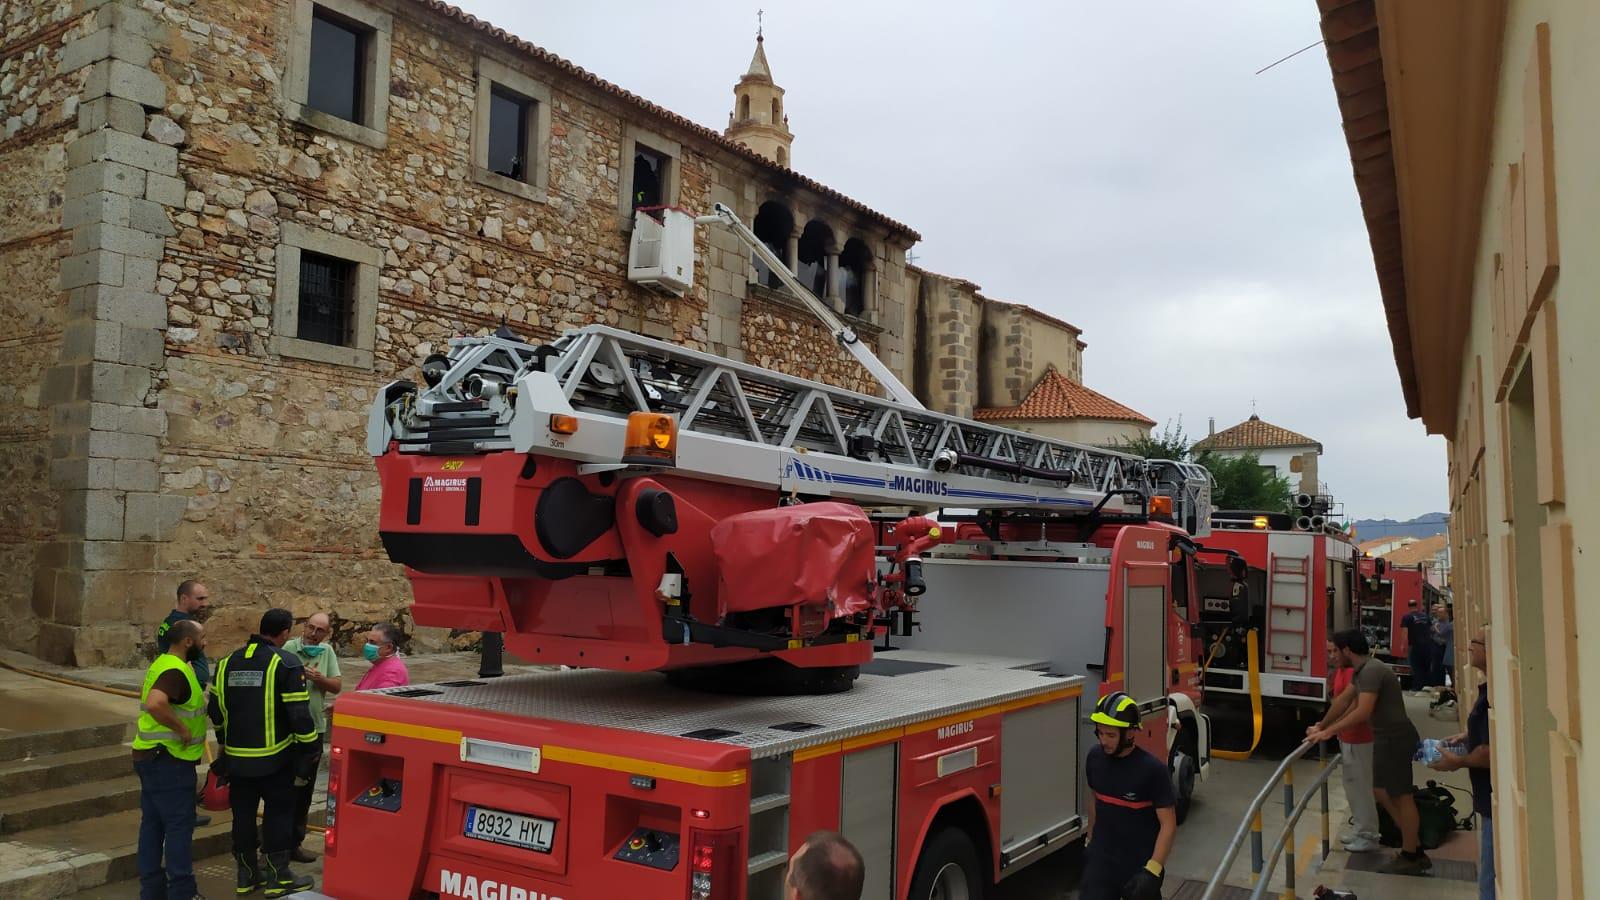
[
  {"x": 1255, "y": 434},
  {"x": 1420, "y": 550},
  {"x": 704, "y": 133},
  {"x": 1058, "y": 397},
  {"x": 1375, "y": 543}
]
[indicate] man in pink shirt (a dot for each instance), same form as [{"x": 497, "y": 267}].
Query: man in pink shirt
[
  {"x": 1355, "y": 743},
  {"x": 383, "y": 651}
]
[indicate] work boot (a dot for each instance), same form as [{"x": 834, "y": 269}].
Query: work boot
[
  {"x": 281, "y": 879},
  {"x": 302, "y": 855},
  {"x": 248, "y": 869},
  {"x": 1408, "y": 864}
]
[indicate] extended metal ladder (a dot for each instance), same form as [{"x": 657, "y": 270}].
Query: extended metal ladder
[{"x": 829, "y": 440}]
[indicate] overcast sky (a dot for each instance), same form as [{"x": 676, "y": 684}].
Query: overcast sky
[{"x": 1116, "y": 165}]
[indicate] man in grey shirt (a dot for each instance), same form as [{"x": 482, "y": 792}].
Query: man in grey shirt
[{"x": 1377, "y": 700}]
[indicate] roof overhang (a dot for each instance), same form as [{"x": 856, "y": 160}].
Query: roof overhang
[{"x": 1416, "y": 82}]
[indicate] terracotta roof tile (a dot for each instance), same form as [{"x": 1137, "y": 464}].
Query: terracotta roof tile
[
  {"x": 1255, "y": 434},
  {"x": 1058, "y": 397},
  {"x": 545, "y": 56},
  {"x": 1420, "y": 550}
]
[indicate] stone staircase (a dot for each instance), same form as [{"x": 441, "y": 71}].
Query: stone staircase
[{"x": 69, "y": 813}]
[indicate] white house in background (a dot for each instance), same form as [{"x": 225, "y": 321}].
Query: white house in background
[
  {"x": 1061, "y": 408},
  {"x": 1279, "y": 449}
]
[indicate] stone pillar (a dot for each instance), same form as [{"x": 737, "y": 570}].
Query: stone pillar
[
  {"x": 793, "y": 256},
  {"x": 831, "y": 280},
  {"x": 98, "y": 577}
]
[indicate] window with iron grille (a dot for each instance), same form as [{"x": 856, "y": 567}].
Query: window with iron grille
[{"x": 327, "y": 297}]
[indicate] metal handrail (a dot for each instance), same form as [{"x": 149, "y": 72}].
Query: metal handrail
[
  {"x": 1288, "y": 832},
  {"x": 1253, "y": 814}
]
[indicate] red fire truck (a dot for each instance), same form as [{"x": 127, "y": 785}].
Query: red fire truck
[
  {"x": 1299, "y": 593},
  {"x": 1384, "y": 594},
  {"x": 771, "y": 637}
]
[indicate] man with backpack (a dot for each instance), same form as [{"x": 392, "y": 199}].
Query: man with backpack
[{"x": 1378, "y": 699}]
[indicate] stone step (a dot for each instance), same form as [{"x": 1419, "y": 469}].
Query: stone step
[
  {"x": 62, "y": 769},
  {"x": 73, "y": 803},
  {"x": 31, "y": 745},
  {"x": 60, "y": 861}
]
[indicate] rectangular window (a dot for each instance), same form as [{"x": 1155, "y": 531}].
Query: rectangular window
[
  {"x": 649, "y": 177},
  {"x": 327, "y": 297},
  {"x": 509, "y": 116},
  {"x": 338, "y": 51}
]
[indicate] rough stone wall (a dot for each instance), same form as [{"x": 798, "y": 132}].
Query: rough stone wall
[
  {"x": 38, "y": 109},
  {"x": 1019, "y": 346},
  {"x": 948, "y": 315},
  {"x": 183, "y": 444}
]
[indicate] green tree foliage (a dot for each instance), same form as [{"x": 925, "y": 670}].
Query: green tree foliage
[
  {"x": 1243, "y": 483},
  {"x": 1171, "y": 443}
]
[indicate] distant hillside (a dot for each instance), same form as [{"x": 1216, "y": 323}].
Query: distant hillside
[{"x": 1425, "y": 525}]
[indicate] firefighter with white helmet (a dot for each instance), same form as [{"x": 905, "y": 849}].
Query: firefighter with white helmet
[{"x": 1132, "y": 821}]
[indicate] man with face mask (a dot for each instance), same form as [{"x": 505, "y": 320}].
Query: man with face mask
[
  {"x": 194, "y": 602},
  {"x": 383, "y": 651},
  {"x": 323, "y": 680},
  {"x": 1132, "y": 820}
]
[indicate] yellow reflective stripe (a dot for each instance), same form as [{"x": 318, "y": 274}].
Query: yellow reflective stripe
[
  {"x": 891, "y": 734},
  {"x": 632, "y": 766},
  {"x": 222, "y": 693},
  {"x": 258, "y": 751},
  {"x": 294, "y": 696},
  {"x": 250, "y": 650},
  {"x": 270, "y": 707},
  {"x": 308, "y": 737},
  {"x": 399, "y": 729}
]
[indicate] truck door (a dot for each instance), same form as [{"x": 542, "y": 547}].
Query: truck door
[{"x": 1138, "y": 618}]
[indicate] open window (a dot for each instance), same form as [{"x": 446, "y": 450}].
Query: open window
[
  {"x": 649, "y": 175},
  {"x": 337, "y": 78},
  {"x": 511, "y": 132},
  {"x": 816, "y": 242}
]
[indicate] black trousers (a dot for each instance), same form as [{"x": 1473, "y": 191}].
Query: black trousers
[
  {"x": 302, "y": 801},
  {"x": 276, "y": 793},
  {"x": 1103, "y": 878}
]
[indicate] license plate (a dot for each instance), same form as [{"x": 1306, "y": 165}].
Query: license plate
[{"x": 512, "y": 829}]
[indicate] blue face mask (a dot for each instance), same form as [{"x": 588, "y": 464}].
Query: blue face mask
[
  {"x": 313, "y": 649},
  {"x": 370, "y": 651}
]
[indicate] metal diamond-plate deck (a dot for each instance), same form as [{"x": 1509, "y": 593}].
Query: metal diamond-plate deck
[{"x": 645, "y": 702}]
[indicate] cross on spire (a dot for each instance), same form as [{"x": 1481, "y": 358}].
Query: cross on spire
[{"x": 759, "y": 13}]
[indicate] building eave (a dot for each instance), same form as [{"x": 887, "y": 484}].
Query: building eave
[{"x": 1416, "y": 99}]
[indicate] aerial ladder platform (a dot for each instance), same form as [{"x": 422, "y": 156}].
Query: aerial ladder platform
[{"x": 516, "y": 465}]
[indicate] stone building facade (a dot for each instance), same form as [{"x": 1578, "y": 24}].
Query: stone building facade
[{"x": 217, "y": 244}]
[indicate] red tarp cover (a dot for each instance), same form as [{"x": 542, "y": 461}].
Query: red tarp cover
[{"x": 811, "y": 553}]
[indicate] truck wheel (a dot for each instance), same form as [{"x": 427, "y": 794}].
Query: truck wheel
[
  {"x": 948, "y": 869},
  {"x": 1183, "y": 778}
]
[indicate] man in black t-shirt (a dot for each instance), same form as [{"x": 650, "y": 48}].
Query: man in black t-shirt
[
  {"x": 1131, "y": 821},
  {"x": 1476, "y": 762},
  {"x": 194, "y": 602}
]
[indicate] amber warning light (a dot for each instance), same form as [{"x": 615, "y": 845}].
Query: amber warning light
[{"x": 652, "y": 440}]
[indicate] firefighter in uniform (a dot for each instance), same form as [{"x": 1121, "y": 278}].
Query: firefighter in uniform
[
  {"x": 269, "y": 744},
  {"x": 1132, "y": 821}
]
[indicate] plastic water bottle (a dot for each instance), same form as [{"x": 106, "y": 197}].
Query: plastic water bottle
[{"x": 1428, "y": 751}]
